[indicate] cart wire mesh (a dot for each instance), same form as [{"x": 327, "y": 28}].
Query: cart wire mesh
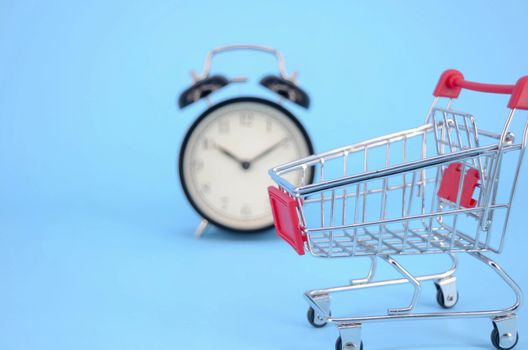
[{"x": 431, "y": 189}]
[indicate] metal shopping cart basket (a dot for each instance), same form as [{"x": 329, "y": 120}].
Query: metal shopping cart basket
[{"x": 437, "y": 188}]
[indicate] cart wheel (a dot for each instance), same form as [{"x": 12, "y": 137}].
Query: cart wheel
[
  {"x": 441, "y": 300},
  {"x": 314, "y": 319},
  {"x": 495, "y": 339},
  {"x": 339, "y": 345}
]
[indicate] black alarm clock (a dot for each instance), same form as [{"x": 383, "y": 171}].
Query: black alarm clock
[{"x": 226, "y": 153}]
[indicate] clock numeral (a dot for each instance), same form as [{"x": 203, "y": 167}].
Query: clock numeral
[
  {"x": 224, "y": 201},
  {"x": 206, "y": 144},
  {"x": 197, "y": 164},
  {"x": 268, "y": 125},
  {"x": 223, "y": 126},
  {"x": 246, "y": 119},
  {"x": 245, "y": 211},
  {"x": 206, "y": 188}
]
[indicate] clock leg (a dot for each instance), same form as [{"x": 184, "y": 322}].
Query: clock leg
[{"x": 201, "y": 228}]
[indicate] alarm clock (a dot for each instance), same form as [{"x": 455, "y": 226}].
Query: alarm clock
[{"x": 227, "y": 151}]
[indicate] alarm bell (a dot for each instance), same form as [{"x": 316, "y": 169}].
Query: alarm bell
[{"x": 282, "y": 84}]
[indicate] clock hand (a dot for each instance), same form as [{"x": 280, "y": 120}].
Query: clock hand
[
  {"x": 230, "y": 155},
  {"x": 269, "y": 150}
]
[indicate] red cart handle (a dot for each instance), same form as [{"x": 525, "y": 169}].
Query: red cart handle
[{"x": 451, "y": 82}]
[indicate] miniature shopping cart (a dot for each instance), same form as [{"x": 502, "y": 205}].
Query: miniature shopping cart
[{"x": 443, "y": 187}]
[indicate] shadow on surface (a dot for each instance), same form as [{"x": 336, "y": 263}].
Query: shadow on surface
[{"x": 216, "y": 234}]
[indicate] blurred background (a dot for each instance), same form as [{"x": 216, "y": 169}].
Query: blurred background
[{"x": 96, "y": 244}]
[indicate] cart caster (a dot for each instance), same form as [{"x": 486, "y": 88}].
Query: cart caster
[
  {"x": 339, "y": 345},
  {"x": 315, "y": 320},
  {"x": 504, "y": 336},
  {"x": 445, "y": 302},
  {"x": 446, "y": 292}
]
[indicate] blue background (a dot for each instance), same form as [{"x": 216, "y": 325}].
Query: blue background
[{"x": 96, "y": 245}]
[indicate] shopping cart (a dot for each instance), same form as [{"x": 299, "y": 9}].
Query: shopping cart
[{"x": 437, "y": 188}]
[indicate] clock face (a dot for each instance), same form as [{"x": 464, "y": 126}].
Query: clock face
[{"x": 226, "y": 156}]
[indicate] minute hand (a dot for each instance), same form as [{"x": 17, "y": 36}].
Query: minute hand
[{"x": 269, "y": 150}]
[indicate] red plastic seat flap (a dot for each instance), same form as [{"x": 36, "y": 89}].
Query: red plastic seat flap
[
  {"x": 450, "y": 183},
  {"x": 284, "y": 209}
]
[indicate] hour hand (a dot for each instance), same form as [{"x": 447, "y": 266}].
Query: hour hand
[{"x": 228, "y": 153}]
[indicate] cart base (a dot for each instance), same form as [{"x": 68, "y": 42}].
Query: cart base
[{"x": 504, "y": 335}]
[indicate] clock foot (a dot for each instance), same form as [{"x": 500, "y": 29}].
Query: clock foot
[{"x": 201, "y": 228}]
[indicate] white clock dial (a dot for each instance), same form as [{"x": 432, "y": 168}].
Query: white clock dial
[{"x": 226, "y": 157}]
